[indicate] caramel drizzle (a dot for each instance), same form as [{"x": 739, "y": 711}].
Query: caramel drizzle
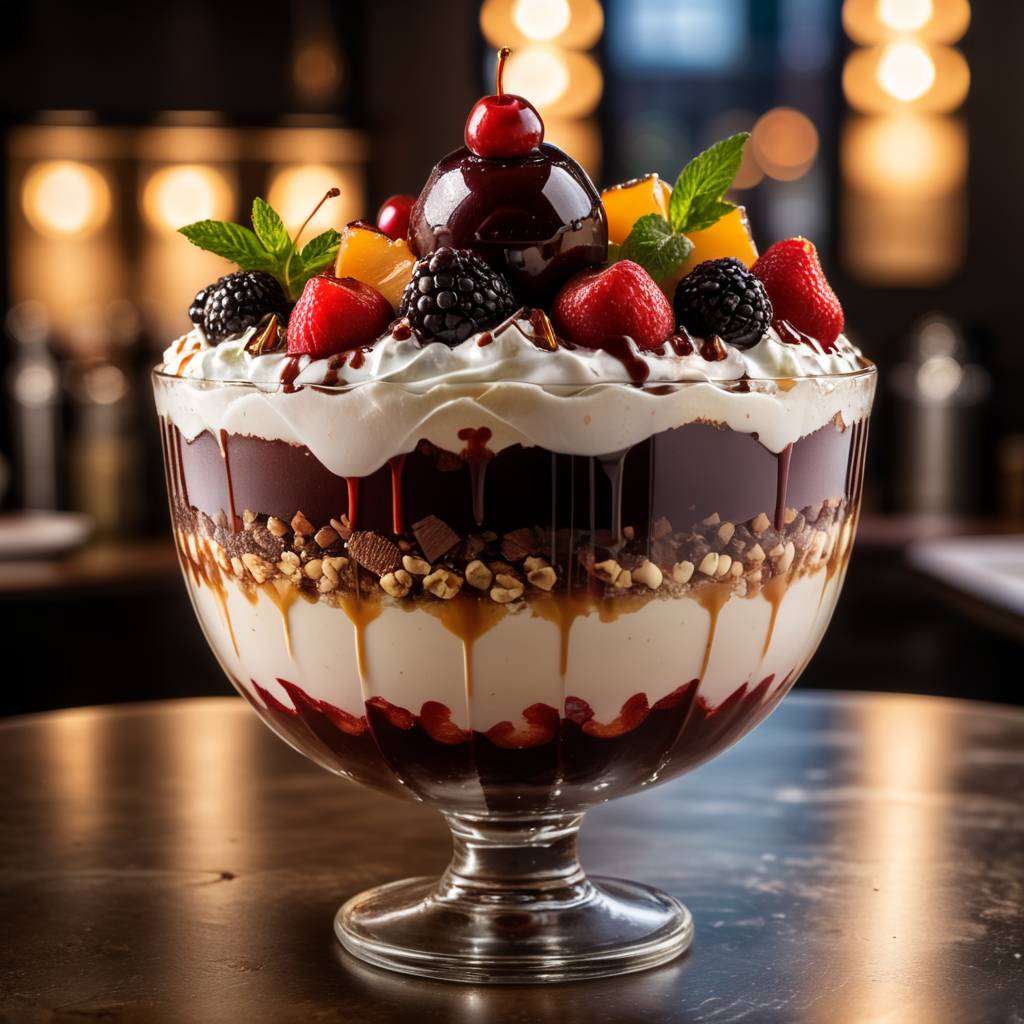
[
  {"x": 774, "y": 590},
  {"x": 361, "y": 614},
  {"x": 712, "y": 599},
  {"x": 468, "y": 619}
]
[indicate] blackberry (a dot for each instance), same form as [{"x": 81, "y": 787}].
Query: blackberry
[
  {"x": 236, "y": 302},
  {"x": 722, "y": 297},
  {"x": 453, "y": 294}
]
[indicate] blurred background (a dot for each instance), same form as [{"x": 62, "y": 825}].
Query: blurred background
[{"x": 884, "y": 130}]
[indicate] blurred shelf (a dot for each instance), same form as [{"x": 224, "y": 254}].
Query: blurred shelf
[{"x": 103, "y": 563}]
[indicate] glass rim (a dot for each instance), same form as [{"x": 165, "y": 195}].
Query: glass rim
[{"x": 867, "y": 370}]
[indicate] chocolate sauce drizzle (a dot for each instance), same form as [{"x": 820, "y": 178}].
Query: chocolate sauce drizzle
[
  {"x": 232, "y": 521},
  {"x": 784, "y": 458},
  {"x": 477, "y": 455},
  {"x": 624, "y": 349}
]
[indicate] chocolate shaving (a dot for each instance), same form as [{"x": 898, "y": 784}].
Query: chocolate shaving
[
  {"x": 518, "y": 544},
  {"x": 374, "y": 552},
  {"x": 445, "y": 460},
  {"x": 435, "y": 537},
  {"x": 661, "y": 528}
]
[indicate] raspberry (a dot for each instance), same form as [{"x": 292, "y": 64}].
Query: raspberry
[
  {"x": 799, "y": 292},
  {"x": 237, "y": 302},
  {"x": 453, "y": 293},
  {"x": 722, "y": 297},
  {"x": 620, "y": 300}
]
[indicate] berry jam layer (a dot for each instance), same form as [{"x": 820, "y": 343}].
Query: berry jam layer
[{"x": 461, "y": 623}]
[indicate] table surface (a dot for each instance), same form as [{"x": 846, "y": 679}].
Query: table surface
[{"x": 857, "y": 858}]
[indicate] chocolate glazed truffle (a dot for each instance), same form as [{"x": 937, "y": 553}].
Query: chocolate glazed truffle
[{"x": 537, "y": 218}]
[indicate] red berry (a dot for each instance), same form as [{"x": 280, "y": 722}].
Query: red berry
[
  {"x": 798, "y": 290},
  {"x": 622, "y": 299},
  {"x": 393, "y": 218},
  {"x": 503, "y": 126},
  {"x": 336, "y": 314}
]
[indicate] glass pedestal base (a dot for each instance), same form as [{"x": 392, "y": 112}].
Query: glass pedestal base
[{"x": 514, "y": 908}]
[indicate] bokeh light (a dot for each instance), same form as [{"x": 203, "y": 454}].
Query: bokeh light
[
  {"x": 906, "y": 71},
  {"x": 317, "y": 71},
  {"x": 539, "y": 73},
  {"x": 541, "y": 20},
  {"x": 179, "y": 195},
  {"x": 295, "y": 190},
  {"x": 865, "y": 89},
  {"x": 905, "y": 157},
  {"x": 869, "y": 22},
  {"x": 65, "y": 199},
  {"x": 905, "y": 15},
  {"x": 785, "y": 143}
]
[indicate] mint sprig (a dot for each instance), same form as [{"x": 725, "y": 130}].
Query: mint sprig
[
  {"x": 269, "y": 247},
  {"x": 660, "y": 245}
]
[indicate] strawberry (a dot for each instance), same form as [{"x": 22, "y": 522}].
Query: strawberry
[
  {"x": 798, "y": 290},
  {"x": 622, "y": 299},
  {"x": 337, "y": 314}
]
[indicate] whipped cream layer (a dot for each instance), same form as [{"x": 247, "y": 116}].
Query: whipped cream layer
[{"x": 572, "y": 401}]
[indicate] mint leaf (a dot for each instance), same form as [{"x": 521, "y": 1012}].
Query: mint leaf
[
  {"x": 231, "y": 241},
  {"x": 655, "y": 246},
  {"x": 320, "y": 251},
  {"x": 696, "y": 201},
  {"x": 270, "y": 228}
]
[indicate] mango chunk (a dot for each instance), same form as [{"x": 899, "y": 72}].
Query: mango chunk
[
  {"x": 626, "y": 204},
  {"x": 730, "y": 236},
  {"x": 376, "y": 260}
]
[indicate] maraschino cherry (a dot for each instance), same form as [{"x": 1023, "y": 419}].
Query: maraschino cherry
[
  {"x": 393, "y": 218},
  {"x": 503, "y": 126}
]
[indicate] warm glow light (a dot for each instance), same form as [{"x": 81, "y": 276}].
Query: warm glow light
[
  {"x": 518, "y": 22},
  {"x": 868, "y": 22},
  {"x": 295, "y": 191},
  {"x": 785, "y": 143},
  {"x": 580, "y": 138},
  {"x": 175, "y": 196},
  {"x": 541, "y": 19},
  {"x": 63, "y": 198},
  {"x": 905, "y": 71},
  {"x": 905, "y": 156},
  {"x": 864, "y": 90},
  {"x": 905, "y": 15},
  {"x": 539, "y": 73},
  {"x": 316, "y": 70}
]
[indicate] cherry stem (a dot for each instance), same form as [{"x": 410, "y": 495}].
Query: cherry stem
[
  {"x": 503, "y": 55},
  {"x": 332, "y": 193}
]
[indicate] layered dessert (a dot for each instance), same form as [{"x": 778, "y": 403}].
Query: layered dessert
[{"x": 523, "y": 496}]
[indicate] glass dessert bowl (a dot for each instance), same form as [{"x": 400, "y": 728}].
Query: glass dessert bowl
[
  {"x": 509, "y": 632},
  {"x": 474, "y": 516}
]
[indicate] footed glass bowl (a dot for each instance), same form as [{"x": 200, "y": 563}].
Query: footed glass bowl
[{"x": 514, "y": 603}]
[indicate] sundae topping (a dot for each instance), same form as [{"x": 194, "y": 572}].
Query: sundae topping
[
  {"x": 621, "y": 300},
  {"x": 453, "y": 294},
  {"x": 337, "y": 315},
  {"x": 236, "y": 302},
  {"x": 660, "y": 244},
  {"x": 722, "y": 297},
  {"x": 393, "y": 217},
  {"x": 503, "y": 126},
  {"x": 626, "y": 204},
  {"x": 269, "y": 248},
  {"x": 371, "y": 256},
  {"x": 799, "y": 292}
]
